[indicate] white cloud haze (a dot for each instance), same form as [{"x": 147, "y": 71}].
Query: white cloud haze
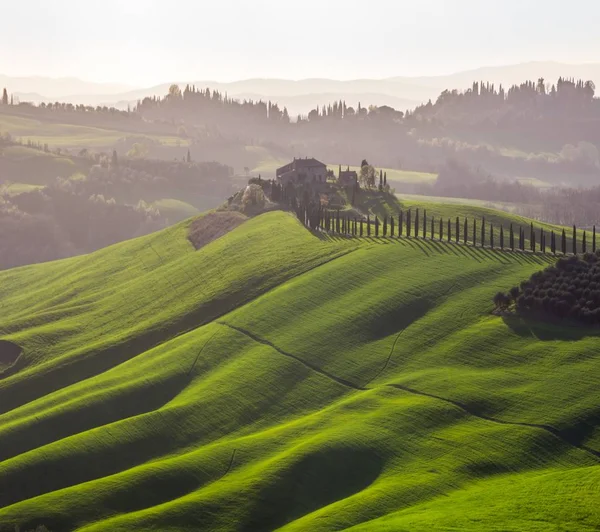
[{"x": 144, "y": 42}]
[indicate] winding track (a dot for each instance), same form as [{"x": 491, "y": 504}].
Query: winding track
[{"x": 546, "y": 428}]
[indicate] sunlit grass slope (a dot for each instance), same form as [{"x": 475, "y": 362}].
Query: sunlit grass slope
[
  {"x": 274, "y": 379},
  {"x": 58, "y": 135}
]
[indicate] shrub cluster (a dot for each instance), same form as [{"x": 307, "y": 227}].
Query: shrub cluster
[{"x": 568, "y": 290}]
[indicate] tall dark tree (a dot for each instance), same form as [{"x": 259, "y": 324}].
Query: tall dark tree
[
  {"x": 594, "y": 240},
  {"x": 188, "y": 159},
  {"x": 449, "y": 230},
  {"x": 368, "y": 225},
  {"x": 114, "y": 161},
  {"x": 511, "y": 238},
  {"x": 563, "y": 243},
  {"x": 432, "y": 227},
  {"x": 521, "y": 239},
  {"x": 483, "y": 232},
  {"x": 584, "y": 244},
  {"x": 361, "y": 227},
  {"x": 441, "y": 235},
  {"x": 542, "y": 240},
  {"x": 492, "y": 235},
  {"x": 392, "y": 226},
  {"x": 531, "y": 238},
  {"x": 408, "y": 223},
  {"x": 574, "y": 240},
  {"x": 417, "y": 224},
  {"x": 385, "y": 225},
  {"x": 385, "y": 179},
  {"x": 553, "y": 243},
  {"x": 474, "y": 232},
  {"x": 502, "y": 237},
  {"x": 4, "y": 96},
  {"x": 465, "y": 231},
  {"x": 424, "y": 223},
  {"x": 400, "y": 219},
  {"x": 457, "y": 231},
  {"x": 376, "y": 226},
  {"x": 380, "y": 180},
  {"x": 337, "y": 221}
]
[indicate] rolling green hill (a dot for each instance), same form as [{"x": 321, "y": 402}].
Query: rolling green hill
[{"x": 277, "y": 380}]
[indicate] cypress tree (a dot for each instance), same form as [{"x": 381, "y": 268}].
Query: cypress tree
[
  {"x": 584, "y": 244},
  {"x": 376, "y": 226},
  {"x": 337, "y": 221},
  {"x": 594, "y": 241},
  {"x": 511, "y": 238},
  {"x": 492, "y": 236},
  {"x": 563, "y": 243},
  {"x": 542, "y": 240},
  {"x": 574, "y": 240},
  {"x": 457, "y": 231},
  {"x": 408, "y": 223},
  {"x": 385, "y": 225},
  {"x": 521, "y": 239},
  {"x": 368, "y": 225},
  {"x": 465, "y": 231},
  {"x": 417, "y": 224},
  {"x": 483, "y": 232},
  {"x": 441, "y": 235},
  {"x": 424, "y": 223},
  {"x": 449, "y": 231},
  {"x": 531, "y": 238},
  {"x": 502, "y": 238},
  {"x": 432, "y": 227},
  {"x": 474, "y": 232},
  {"x": 361, "y": 227},
  {"x": 400, "y": 223},
  {"x": 392, "y": 226},
  {"x": 553, "y": 243}
]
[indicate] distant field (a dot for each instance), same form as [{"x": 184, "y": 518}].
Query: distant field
[
  {"x": 14, "y": 189},
  {"x": 175, "y": 210},
  {"x": 505, "y": 206},
  {"x": 394, "y": 175},
  {"x": 21, "y": 164},
  {"x": 274, "y": 379},
  {"x": 69, "y": 135}
]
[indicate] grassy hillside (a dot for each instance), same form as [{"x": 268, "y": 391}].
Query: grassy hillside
[
  {"x": 70, "y": 135},
  {"x": 24, "y": 166},
  {"x": 273, "y": 379}
]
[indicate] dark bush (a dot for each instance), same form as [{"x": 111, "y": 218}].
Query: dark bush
[{"x": 570, "y": 289}]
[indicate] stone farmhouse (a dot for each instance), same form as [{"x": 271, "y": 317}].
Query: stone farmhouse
[{"x": 301, "y": 171}]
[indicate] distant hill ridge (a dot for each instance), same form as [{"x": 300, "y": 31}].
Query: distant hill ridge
[{"x": 302, "y": 95}]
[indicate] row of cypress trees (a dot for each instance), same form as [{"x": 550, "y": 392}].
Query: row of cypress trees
[{"x": 407, "y": 224}]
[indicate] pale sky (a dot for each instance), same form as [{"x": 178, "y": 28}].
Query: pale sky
[{"x": 146, "y": 42}]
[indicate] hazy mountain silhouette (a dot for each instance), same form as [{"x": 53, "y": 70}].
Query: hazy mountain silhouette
[
  {"x": 302, "y": 95},
  {"x": 60, "y": 87}
]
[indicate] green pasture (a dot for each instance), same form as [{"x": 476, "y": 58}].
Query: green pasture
[{"x": 276, "y": 379}]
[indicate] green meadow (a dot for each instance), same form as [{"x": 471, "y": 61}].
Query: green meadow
[
  {"x": 72, "y": 136},
  {"x": 277, "y": 379}
]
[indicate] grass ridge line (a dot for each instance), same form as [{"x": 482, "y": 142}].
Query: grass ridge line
[
  {"x": 465, "y": 408},
  {"x": 310, "y": 366},
  {"x": 547, "y": 428}
]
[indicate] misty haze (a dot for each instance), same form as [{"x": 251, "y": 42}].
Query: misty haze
[{"x": 299, "y": 266}]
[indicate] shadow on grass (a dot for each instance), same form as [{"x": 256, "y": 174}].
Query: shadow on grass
[{"x": 548, "y": 331}]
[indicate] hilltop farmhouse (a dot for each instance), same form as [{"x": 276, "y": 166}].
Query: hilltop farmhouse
[{"x": 301, "y": 171}]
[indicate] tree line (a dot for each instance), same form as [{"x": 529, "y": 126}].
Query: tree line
[
  {"x": 475, "y": 232},
  {"x": 570, "y": 290}
]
